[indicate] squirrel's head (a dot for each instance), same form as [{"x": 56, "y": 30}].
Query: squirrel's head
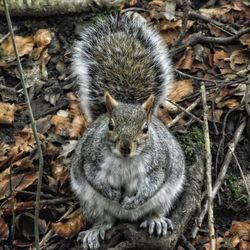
[{"x": 128, "y": 126}]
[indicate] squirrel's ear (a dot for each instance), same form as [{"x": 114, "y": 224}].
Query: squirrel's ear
[
  {"x": 148, "y": 106},
  {"x": 110, "y": 102}
]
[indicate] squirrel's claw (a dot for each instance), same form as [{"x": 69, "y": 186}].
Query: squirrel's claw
[
  {"x": 160, "y": 226},
  {"x": 90, "y": 238}
]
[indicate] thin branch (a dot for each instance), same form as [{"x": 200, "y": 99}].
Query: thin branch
[
  {"x": 184, "y": 23},
  {"x": 182, "y": 114},
  {"x": 186, "y": 111},
  {"x": 232, "y": 145},
  {"x": 7, "y": 35},
  {"x": 33, "y": 125},
  {"x": 247, "y": 96},
  {"x": 225, "y": 28},
  {"x": 200, "y": 38},
  {"x": 208, "y": 169},
  {"x": 242, "y": 174}
]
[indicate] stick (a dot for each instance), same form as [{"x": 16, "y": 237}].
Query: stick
[
  {"x": 232, "y": 145},
  {"x": 33, "y": 126},
  {"x": 208, "y": 169},
  {"x": 188, "y": 109}
]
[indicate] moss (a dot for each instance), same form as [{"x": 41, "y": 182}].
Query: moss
[
  {"x": 193, "y": 140},
  {"x": 234, "y": 187}
]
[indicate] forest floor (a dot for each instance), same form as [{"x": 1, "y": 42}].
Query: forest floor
[{"x": 44, "y": 45}]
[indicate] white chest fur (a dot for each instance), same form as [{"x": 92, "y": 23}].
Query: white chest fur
[{"x": 124, "y": 173}]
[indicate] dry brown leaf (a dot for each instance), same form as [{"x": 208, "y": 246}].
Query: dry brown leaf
[
  {"x": 235, "y": 240},
  {"x": 170, "y": 36},
  {"x": 42, "y": 39},
  {"x": 219, "y": 244},
  {"x": 25, "y": 141},
  {"x": 186, "y": 61},
  {"x": 241, "y": 228},
  {"x": 171, "y": 30},
  {"x": 24, "y": 45},
  {"x": 19, "y": 183},
  {"x": 244, "y": 245},
  {"x": 78, "y": 126},
  {"x": 215, "y": 115},
  {"x": 71, "y": 225},
  {"x": 62, "y": 125},
  {"x": 60, "y": 171},
  {"x": 163, "y": 114},
  {"x": 229, "y": 103},
  {"x": 24, "y": 163},
  {"x": 5, "y": 148},
  {"x": 7, "y": 113},
  {"x": 174, "y": 25},
  {"x": 4, "y": 230},
  {"x": 219, "y": 55},
  {"x": 239, "y": 60},
  {"x": 216, "y": 12},
  {"x": 181, "y": 89},
  {"x": 245, "y": 40}
]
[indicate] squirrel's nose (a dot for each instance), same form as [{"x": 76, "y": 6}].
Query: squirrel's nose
[{"x": 125, "y": 148}]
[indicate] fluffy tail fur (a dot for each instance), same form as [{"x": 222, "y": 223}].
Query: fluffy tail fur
[{"x": 124, "y": 56}]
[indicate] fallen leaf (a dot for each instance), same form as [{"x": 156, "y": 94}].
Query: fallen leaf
[
  {"x": 24, "y": 45},
  {"x": 181, "y": 89},
  {"x": 186, "y": 61},
  {"x": 239, "y": 60},
  {"x": 4, "y": 229},
  {"x": 42, "y": 39},
  {"x": 62, "y": 125},
  {"x": 215, "y": 115},
  {"x": 219, "y": 55},
  {"x": 245, "y": 40},
  {"x": 241, "y": 228},
  {"x": 7, "y": 113},
  {"x": 71, "y": 225},
  {"x": 60, "y": 171}
]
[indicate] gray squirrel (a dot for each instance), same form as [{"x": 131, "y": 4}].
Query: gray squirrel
[{"x": 127, "y": 165}]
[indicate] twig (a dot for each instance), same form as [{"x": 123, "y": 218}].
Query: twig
[
  {"x": 226, "y": 28},
  {"x": 182, "y": 114},
  {"x": 208, "y": 169},
  {"x": 247, "y": 96},
  {"x": 22, "y": 206},
  {"x": 134, "y": 9},
  {"x": 218, "y": 83},
  {"x": 186, "y": 111},
  {"x": 184, "y": 23},
  {"x": 50, "y": 233},
  {"x": 241, "y": 172},
  {"x": 33, "y": 125},
  {"x": 7, "y": 35},
  {"x": 186, "y": 244},
  {"x": 200, "y": 38},
  {"x": 232, "y": 145}
]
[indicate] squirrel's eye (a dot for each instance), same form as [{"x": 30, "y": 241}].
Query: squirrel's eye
[
  {"x": 111, "y": 125},
  {"x": 145, "y": 128}
]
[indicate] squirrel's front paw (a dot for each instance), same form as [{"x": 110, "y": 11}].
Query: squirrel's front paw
[
  {"x": 90, "y": 239},
  {"x": 130, "y": 202},
  {"x": 160, "y": 225}
]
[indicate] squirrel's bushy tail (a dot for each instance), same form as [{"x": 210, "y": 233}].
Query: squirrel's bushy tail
[{"x": 124, "y": 56}]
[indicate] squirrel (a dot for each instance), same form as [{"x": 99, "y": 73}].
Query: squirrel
[{"x": 127, "y": 165}]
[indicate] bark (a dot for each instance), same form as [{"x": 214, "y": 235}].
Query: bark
[
  {"x": 127, "y": 236},
  {"x": 51, "y": 7}
]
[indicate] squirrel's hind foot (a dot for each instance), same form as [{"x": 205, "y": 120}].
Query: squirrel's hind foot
[
  {"x": 90, "y": 239},
  {"x": 159, "y": 226}
]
